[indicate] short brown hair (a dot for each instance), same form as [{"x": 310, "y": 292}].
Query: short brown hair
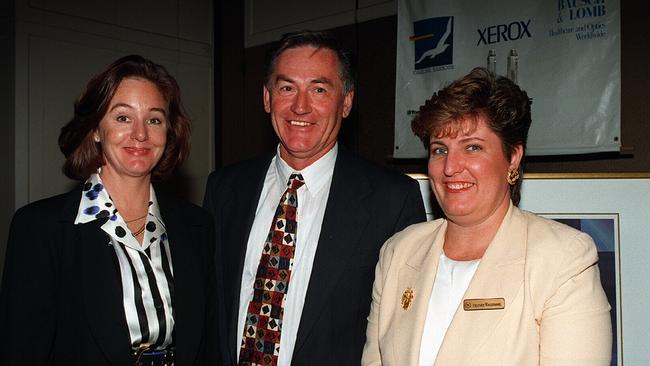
[
  {"x": 316, "y": 39},
  {"x": 83, "y": 155},
  {"x": 504, "y": 105}
]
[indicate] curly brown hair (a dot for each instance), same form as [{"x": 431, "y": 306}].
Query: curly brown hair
[
  {"x": 504, "y": 106},
  {"x": 84, "y": 155}
]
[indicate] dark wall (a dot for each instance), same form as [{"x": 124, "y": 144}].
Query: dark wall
[
  {"x": 247, "y": 132},
  {"x": 7, "y": 130}
]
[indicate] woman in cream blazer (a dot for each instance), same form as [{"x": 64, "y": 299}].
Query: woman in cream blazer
[
  {"x": 554, "y": 311},
  {"x": 532, "y": 294}
]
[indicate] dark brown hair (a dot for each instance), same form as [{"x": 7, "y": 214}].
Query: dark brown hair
[
  {"x": 83, "y": 155},
  {"x": 505, "y": 107},
  {"x": 317, "y": 39}
]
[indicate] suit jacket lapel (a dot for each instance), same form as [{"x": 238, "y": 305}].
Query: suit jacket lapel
[
  {"x": 344, "y": 220},
  {"x": 188, "y": 295},
  {"x": 100, "y": 283},
  {"x": 238, "y": 216},
  {"x": 499, "y": 275}
]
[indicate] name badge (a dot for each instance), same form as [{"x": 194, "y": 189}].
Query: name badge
[{"x": 495, "y": 303}]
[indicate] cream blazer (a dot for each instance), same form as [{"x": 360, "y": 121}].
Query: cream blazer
[{"x": 554, "y": 311}]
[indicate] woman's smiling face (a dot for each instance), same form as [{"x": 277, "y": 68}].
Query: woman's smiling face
[
  {"x": 468, "y": 170},
  {"x": 133, "y": 133}
]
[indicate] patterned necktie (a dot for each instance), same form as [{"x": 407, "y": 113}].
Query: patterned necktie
[{"x": 263, "y": 327}]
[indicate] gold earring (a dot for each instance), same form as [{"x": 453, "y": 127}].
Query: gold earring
[
  {"x": 513, "y": 176},
  {"x": 96, "y": 138}
]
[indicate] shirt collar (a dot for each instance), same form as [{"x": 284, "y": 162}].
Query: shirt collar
[
  {"x": 96, "y": 203},
  {"x": 316, "y": 175}
]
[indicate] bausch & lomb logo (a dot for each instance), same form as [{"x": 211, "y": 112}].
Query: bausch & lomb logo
[
  {"x": 433, "y": 42},
  {"x": 580, "y": 9}
]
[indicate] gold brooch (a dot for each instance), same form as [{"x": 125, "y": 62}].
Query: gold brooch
[{"x": 407, "y": 298}]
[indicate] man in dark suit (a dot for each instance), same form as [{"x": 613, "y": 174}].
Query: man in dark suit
[{"x": 301, "y": 297}]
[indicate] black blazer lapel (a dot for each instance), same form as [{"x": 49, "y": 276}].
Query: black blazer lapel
[
  {"x": 188, "y": 297},
  {"x": 241, "y": 196},
  {"x": 345, "y": 218},
  {"x": 100, "y": 284},
  {"x": 102, "y": 292}
]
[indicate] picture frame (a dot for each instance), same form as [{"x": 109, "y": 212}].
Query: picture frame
[{"x": 624, "y": 196}]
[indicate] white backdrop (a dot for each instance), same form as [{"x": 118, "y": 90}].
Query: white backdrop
[{"x": 567, "y": 56}]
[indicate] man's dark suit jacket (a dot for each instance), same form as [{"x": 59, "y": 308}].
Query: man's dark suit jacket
[
  {"x": 367, "y": 204},
  {"x": 61, "y": 296}
]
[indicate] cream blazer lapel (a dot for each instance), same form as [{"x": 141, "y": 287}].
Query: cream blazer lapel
[
  {"x": 499, "y": 275},
  {"x": 418, "y": 275}
]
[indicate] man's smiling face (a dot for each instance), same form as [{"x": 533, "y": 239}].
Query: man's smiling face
[{"x": 307, "y": 104}]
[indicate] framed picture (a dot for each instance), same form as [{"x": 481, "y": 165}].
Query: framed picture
[{"x": 614, "y": 208}]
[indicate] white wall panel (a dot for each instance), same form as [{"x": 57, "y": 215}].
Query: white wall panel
[
  {"x": 57, "y": 75},
  {"x": 60, "y": 45}
]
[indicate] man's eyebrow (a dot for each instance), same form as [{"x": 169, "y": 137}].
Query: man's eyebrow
[
  {"x": 322, "y": 80},
  {"x": 282, "y": 77},
  {"x": 318, "y": 80}
]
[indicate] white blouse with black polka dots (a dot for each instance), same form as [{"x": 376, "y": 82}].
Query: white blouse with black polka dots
[{"x": 146, "y": 270}]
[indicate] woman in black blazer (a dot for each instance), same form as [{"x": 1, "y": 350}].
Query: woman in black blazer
[{"x": 114, "y": 272}]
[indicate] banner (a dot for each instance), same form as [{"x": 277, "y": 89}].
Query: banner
[{"x": 564, "y": 53}]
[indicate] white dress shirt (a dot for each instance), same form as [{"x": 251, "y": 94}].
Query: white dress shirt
[
  {"x": 312, "y": 199},
  {"x": 451, "y": 282}
]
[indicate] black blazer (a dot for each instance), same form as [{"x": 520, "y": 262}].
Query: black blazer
[
  {"x": 367, "y": 204},
  {"x": 61, "y": 295}
]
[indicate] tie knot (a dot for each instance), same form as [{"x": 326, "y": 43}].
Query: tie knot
[{"x": 295, "y": 181}]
